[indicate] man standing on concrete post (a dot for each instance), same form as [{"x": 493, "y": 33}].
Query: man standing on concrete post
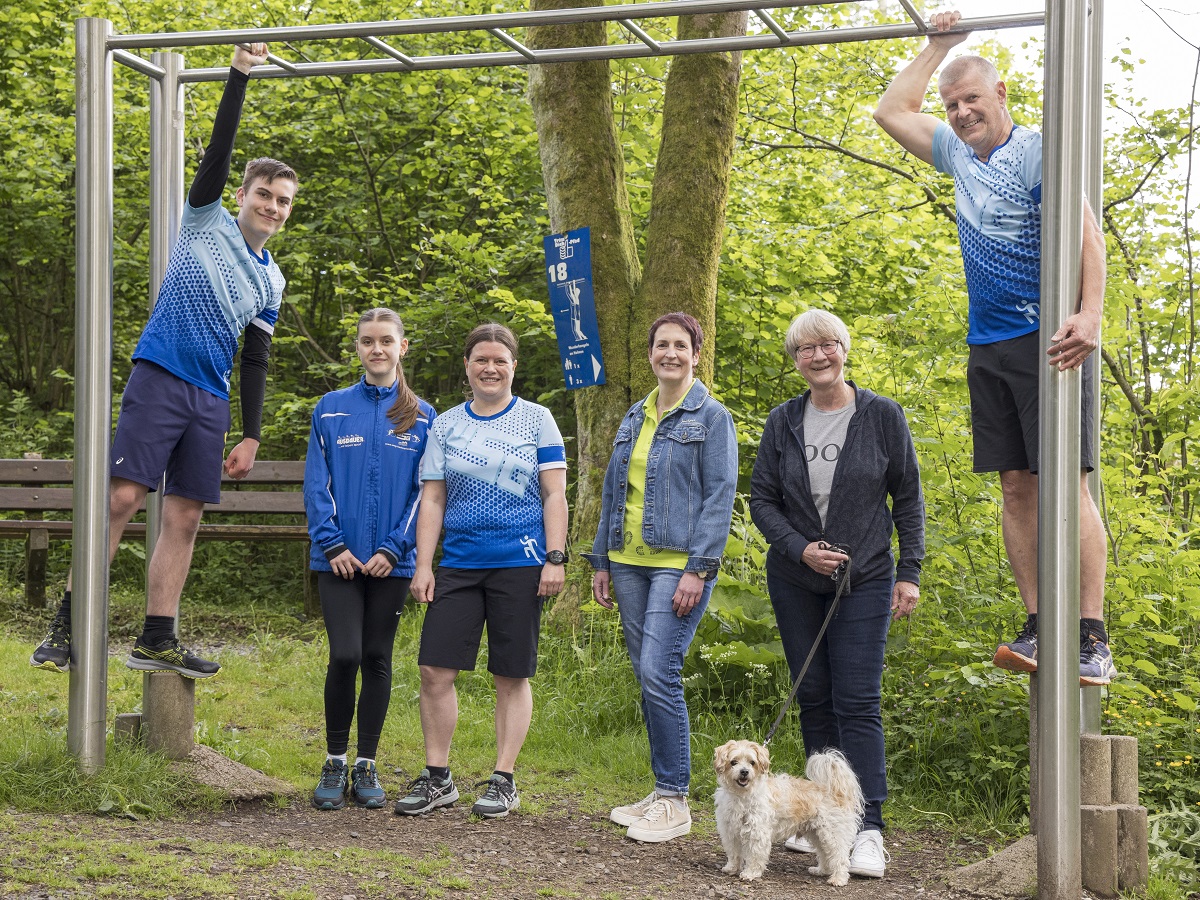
[
  {"x": 997, "y": 169},
  {"x": 219, "y": 282}
]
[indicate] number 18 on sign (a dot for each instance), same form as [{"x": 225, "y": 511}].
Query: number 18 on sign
[{"x": 569, "y": 276}]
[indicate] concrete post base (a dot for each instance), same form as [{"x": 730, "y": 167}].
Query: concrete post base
[
  {"x": 127, "y": 728},
  {"x": 1133, "y": 848},
  {"x": 168, "y": 714},
  {"x": 1098, "y": 849}
]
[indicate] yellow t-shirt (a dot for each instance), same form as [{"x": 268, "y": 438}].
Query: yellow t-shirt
[{"x": 635, "y": 552}]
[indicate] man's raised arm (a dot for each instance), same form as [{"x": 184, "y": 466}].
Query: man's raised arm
[{"x": 899, "y": 112}]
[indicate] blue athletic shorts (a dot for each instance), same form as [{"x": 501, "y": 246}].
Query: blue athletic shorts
[
  {"x": 169, "y": 426},
  {"x": 1002, "y": 379}
]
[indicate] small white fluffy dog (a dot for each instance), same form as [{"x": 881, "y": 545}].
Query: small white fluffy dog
[{"x": 756, "y": 809}]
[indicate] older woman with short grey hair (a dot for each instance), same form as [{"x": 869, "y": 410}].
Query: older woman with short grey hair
[{"x": 835, "y": 474}]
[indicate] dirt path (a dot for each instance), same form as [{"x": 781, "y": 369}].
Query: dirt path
[{"x": 269, "y": 852}]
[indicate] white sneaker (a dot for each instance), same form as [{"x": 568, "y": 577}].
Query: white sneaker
[
  {"x": 664, "y": 819},
  {"x": 627, "y": 815},
  {"x": 799, "y": 843},
  {"x": 868, "y": 858}
]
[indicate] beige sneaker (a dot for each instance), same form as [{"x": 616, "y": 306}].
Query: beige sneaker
[
  {"x": 627, "y": 815},
  {"x": 666, "y": 818}
]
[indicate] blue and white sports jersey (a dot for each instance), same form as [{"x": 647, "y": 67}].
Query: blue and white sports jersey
[
  {"x": 999, "y": 206},
  {"x": 213, "y": 288},
  {"x": 493, "y": 491}
]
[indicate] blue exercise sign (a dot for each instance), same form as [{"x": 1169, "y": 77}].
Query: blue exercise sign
[{"x": 569, "y": 276}]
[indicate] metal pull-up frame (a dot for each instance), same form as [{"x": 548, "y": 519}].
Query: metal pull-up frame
[{"x": 1072, "y": 99}]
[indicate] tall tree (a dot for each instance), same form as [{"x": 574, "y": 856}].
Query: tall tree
[{"x": 584, "y": 172}]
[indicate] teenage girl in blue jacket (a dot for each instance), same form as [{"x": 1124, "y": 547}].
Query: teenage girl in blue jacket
[{"x": 361, "y": 487}]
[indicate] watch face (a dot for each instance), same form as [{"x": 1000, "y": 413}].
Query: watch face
[{"x": 556, "y": 557}]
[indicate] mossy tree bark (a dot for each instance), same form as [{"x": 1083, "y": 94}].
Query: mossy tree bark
[{"x": 584, "y": 173}]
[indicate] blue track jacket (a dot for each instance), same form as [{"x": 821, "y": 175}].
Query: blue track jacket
[{"x": 362, "y": 480}]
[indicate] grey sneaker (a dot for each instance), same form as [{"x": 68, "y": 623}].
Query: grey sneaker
[
  {"x": 627, "y": 815},
  {"x": 1019, "y": 655},
  {"x": 498, "y": 800},
  {"x": 425, "y": 794},
  {"x": 55, "y": 651}
]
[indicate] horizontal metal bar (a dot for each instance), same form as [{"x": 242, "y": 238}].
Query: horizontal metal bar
[
  {"x": 389, "y": 50},
  {"x": 636, "y": 30},
  {"x": 617, "y": 51},
  {"x": 445, "y": 24},
  {"x": 765, "y": 18},
  {"x": 135, "y": 62},
  {"x": 282, "y": 63},
  {"x": 512, "y": 42}
]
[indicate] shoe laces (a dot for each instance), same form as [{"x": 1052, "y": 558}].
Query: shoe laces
[
  {"x": 422, "y": 785},
  {"x": 331, "y": 774},
  {"x": 660, "y": 808},
  {"x": 60, "y": 634},
  {"x": 366, "y": 775},
  {"x": 871, "y": 847},
  {"x": 497, "y": 789}
]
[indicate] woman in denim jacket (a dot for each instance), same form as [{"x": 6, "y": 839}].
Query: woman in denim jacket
[
  {"x": 837, "y": 466},
  {"x": 664, "y": 519}
]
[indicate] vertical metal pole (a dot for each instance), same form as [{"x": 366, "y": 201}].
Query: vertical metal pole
[
  {"x": 93, "y": 391},
  {"x": 1064, "y": 109},
  {"x": 1089, "y": 697},
  {"x": 166, "y": 210}
]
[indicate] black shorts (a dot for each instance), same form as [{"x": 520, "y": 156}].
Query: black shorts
[
  {"x": 1003, "y": 382},
  {"x": 464, "y": 600}
]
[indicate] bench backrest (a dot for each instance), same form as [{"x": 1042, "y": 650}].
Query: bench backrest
[{"x": 28, "y": 484}]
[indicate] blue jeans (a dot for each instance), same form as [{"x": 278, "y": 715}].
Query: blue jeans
[
  {"x": 657, "y": 640},
  {"x": 839, "y": 696}
]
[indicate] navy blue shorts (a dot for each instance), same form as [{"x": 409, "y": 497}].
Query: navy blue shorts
[
  {"x": 169, "y": 426},
  {"x": 463, "y": 600},
  {"x": 1003, "y": 382}
]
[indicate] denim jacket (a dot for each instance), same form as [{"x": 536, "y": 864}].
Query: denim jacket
[{"x": 691, "y": 478}]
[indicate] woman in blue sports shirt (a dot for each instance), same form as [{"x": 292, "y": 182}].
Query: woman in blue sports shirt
[{"x": 361, "y": 487}]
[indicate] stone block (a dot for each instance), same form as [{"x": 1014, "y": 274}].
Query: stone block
[
  {"x": 1098, "y": 849},
  {"x": 168, "y": 714},
  {"x": 1095, "y": 770},
  {"x": 127, "y": 728},
  {"x": 1133, "y": 848},
  {"x": 1124, "y": 770}
]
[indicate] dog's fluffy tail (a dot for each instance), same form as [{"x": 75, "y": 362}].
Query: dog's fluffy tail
[{"x": 830, "y": 770}]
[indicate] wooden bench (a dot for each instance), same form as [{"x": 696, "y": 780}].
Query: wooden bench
[{"x": 35, "y": 487}]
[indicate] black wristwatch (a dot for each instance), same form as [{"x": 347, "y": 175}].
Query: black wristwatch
[{"x": 556, "y": 557}]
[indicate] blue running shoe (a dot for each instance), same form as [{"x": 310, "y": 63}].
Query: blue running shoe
[
  {"x": 364, "y": 786},
  {"x": 1019, "y": 655},
  {"x": 330, "y": 792},
  {"x": 1095, "y": 661}
]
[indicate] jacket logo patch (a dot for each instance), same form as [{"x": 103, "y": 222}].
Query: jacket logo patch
[{"x": 347, "y": 440}]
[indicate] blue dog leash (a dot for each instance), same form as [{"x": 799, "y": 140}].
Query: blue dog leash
[{"x": 841, "y": 575}]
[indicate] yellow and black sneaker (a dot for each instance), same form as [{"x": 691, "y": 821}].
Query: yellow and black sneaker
[
  {"x": 54, "y": 652},
  {"x": 170, "y": 656}
]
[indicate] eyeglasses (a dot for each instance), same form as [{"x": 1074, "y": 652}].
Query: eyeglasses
[{"x": 828, "y": 348}]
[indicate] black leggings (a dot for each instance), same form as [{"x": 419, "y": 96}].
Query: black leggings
[{"x": 361, "y": 616}]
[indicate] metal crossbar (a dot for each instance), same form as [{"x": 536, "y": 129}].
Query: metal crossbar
[{"x": 498, "y": 27}]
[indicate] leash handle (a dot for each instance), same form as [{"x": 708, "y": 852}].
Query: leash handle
[{"x": 842, "y": 576}]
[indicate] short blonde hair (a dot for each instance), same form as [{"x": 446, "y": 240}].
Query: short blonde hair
[{"x": 816, "y": 326}]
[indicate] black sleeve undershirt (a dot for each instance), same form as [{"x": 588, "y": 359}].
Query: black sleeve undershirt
[
  {"x": 213, "y": 172},
  {"x": 256, "y": 350}
]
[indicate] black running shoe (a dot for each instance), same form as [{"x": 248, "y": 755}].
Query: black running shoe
[
  {"x": 1020, "y": 654},
  {"x": 170, "y": 656},
  {"x": 365, "y": 787},
  {"x": 55, "y": 651}
]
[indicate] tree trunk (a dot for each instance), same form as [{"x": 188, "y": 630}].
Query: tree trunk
[{"x": 584, "y": 173}]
